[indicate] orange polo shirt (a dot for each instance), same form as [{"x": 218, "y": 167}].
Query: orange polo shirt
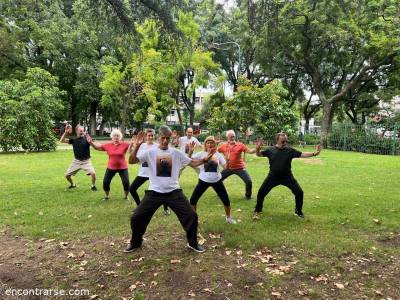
[{"x": 233, "y": 154}]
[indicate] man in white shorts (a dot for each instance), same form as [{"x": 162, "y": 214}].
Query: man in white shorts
[{"x": 82, "y": 160}]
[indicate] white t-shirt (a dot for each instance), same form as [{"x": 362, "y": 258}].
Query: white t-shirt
[
  {"x": 209, "y": 171},
  {"x": 143, "y": 167},
  {"x": 184, "y": 143},
  {"x": 163, "y": 168}
]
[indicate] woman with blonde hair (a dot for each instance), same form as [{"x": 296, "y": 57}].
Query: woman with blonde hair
[
  {"x": 116, "y": 150},
  {"x": 210, "y": 176}
]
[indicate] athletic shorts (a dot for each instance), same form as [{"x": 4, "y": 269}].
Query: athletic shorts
[{"x": 77, "y": 165}]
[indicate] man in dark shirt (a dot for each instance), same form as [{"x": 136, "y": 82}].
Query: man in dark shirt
[
  {"x": 81, "y": 148},
  {"x": 280, "y": 171}
]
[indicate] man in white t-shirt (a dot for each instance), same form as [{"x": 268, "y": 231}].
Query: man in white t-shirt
[
  {"x": 184, "y": 141},
  {"x": 164, "y": 164},
  {"x": 143, "y": 175}
]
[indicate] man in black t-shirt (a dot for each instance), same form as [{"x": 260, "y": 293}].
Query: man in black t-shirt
[
  {"x": 280, "y": 171},
  {"x": 81, "y": 148}
]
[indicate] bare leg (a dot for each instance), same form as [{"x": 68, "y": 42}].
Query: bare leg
[
  {"x": 69, "y": 178},
  {"x": 227, "y": 211}
]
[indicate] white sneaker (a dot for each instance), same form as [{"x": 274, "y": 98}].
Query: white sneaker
[{"x": 230, "y": 220}]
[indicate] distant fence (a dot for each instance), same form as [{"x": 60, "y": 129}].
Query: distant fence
[{"x": 368, "y": 138}]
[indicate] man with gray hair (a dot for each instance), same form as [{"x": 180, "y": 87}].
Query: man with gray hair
[
  {"x": 81, "y": 148},
  {"x": 163, "y": 164},
  {"x": 233, "y": 150}
]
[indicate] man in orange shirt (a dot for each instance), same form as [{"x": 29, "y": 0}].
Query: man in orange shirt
[{"x": 235, "y": 164}]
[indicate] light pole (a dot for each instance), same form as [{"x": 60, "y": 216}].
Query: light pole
[{"x": 236, "y": 44}]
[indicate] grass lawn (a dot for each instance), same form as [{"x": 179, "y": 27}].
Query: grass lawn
[{"x": 347, "y": 246}]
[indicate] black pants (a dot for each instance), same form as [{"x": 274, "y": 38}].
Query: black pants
[
  {"x": 270, "y": 182},
  {"x": 177, "y": 201},
  {"x": 202, "y": 186},
  {"x": 137, "y": 183},
  {"x": 242, "y": 173},
  {"x": 109, "y": 176}
]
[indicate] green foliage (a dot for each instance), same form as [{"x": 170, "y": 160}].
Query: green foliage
[
  {"x": 369, "y": 138},
  {"x": 27, "y": 108},
  {"x": 262, "y": 109},
  {"x": 311, "y": 139}
]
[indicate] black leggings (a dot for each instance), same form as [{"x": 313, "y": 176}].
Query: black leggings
[
  {"x": 270, "y": 182},
  {"x": 202, "y": 186},
  {"x": 137, "y": 183},
  {"x": 142, "y": 214},
  {"x": 109, "y": 176},
  {"x": 242, "y": 173}
]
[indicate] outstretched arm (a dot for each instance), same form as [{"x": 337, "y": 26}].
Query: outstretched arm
[
  {"x": 68, "y": 130},
  {"x": 96, "y": 146},
  {"x": 310, "y": 154},
  {"x": 134, "y": 147}
]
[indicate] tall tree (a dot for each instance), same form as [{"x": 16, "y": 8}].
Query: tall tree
[{"x": 340, "y": 45}]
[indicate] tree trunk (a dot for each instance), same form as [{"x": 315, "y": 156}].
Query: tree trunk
[
  {"x": 102, "y": 125},
  {"x": 178, "y": 110},
  {"x": 191, "y": 110},
  {"x": 326, "y": 122},
  {"x": 92, "y": 118},
  {"x": 307, "y": 124},
  {"x": 124, "y": 116}
]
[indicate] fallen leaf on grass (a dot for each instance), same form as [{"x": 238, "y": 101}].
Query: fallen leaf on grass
[
  {"x": 228, "y": 252},
  {"x": 153, "y": 283},
  {"x": 71, "y": 255},
  {"x": 379, "y": 293},
  {"x": 132, "y": 287},
  {"x": 49, "y": 241},
  {"x": 191, "y": 294},
  {"x": 376, "y": 221},
  {"x": 175, "y": 261},
  {"x": 201, "y": 239},
  {"x": 82, "y": 254},
  {"x": 276, "y": 294},
  {"x": 208, "y": 290},
  {"x": 84, "y": 263},
  {"x": 339, "y": 286},
  {"x": 94, "y": 297},
  {"x": 285, "y": 269}
]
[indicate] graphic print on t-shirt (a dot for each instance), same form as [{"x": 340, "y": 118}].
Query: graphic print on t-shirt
[
  {"x": 211, "y": 165},
  {"x": 164, "y": 165},
  {"x": 187, "y": 148},
  {"x": 145, "y": 164}
]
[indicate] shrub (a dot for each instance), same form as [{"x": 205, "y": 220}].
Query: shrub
[{"x": 27, "y": 109}]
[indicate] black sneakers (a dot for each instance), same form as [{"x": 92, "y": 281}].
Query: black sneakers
[
  {"x": 73, "y": 186},
  {"x": 131, "y": 248},
  {"x": 299, "y": 214},
  {"x": 198, "y": 248},
  {"x": 93, "y": 188}
]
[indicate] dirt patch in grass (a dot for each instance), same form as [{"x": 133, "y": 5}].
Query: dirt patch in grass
[
  {"x": 164, "y": 269},
  {"x": 392, "y": 241}
]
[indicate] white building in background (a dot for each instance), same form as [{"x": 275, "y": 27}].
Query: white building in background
[{"x": 201, "y": 95}]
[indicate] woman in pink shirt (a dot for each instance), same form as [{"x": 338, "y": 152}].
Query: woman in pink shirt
[{"x": 116, "y": 161}]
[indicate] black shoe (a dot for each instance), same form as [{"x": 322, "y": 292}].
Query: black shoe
[
  {"x": 198, "y": 248},
  {"x": 72, "y": 186},
  {"x": 299, "y": 214},
  {"x": 247, "y": 197},
  {"x": 131, "y": 248},
  {"x": 93, "y": 188}
]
